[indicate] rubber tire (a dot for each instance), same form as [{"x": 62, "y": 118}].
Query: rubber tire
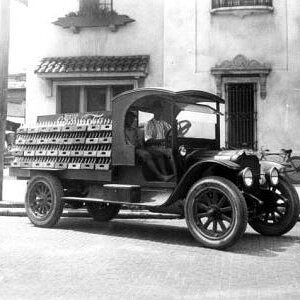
[
  {"x": 241, "y": 212},
  {"x": 288, "y": 174},
  {"x": 104, "y": 213},
  {"x": 56, "y": 210},
  {"x": 289, "y": 221}
]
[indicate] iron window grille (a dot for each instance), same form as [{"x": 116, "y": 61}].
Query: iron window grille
[
  {"x": 106, "y": 5},
  {"x": 238, "y": 3},
  {"x": 94, "y": 13},
  {"x": 94, "y": 7}
]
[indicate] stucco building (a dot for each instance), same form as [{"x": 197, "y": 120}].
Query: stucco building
[
  {"x": 247, "y": 51},
  {"x": 16, "y": 94},
  {"x": 16, "y": 98}
]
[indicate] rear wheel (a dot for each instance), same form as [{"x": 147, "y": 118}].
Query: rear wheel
[
  {"x": 280, "y": 210},
  {"x": 43, "y": 202},
  {"x": 216, "y": 212},
  {"x": 103, "y": 212}
]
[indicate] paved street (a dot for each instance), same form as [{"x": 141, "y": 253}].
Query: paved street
[
  {"x": 138, "y": 259},
  {"x": 141, "y": 259}
]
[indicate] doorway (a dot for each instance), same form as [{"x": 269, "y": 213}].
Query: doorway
[{"x": 241, "y": 115}]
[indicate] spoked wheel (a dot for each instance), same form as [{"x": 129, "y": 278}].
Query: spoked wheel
[
  {"x": 280, "y": 210},
  {"x": 293, "y": 170},
  {"x": 43, "y": 200},
  {"x": 216, "y": 212},
  {"x": 103, "y": 212}
]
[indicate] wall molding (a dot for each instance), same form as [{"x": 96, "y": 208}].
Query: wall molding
[
  {"x": 242, "y": 11},
  {"x": 243, "y": 67}
]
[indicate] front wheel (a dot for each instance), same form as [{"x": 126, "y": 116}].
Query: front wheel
[
  {"x": 43, "y": 201},
  {"x": 280, "y": 210},
  {"x": 103, "y": 212},
  {"x": 293, "y": 171},
  {"x": 216, "y": 212}
]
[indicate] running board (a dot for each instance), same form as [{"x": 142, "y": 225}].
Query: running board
[
  {"x": 141, "y": 204},
  {"x": 147, "y": 197}
]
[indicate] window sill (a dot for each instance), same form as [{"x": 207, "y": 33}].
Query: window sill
[{"x": 242, "y": 11}]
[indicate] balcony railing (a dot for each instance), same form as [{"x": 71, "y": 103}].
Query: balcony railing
[{"x": 239, "y": 3}]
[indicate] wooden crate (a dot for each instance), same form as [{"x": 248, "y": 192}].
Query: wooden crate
[
  {"x": 92, "y": 140},
  {"x": 104, "y": 153},
  {"x": 74, "y": 166},
  {"x": 87, "y": 166}
]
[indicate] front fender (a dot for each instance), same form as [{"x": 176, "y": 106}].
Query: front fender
[
  {"x": 266, "y": 165},
  {"x": 201, "y": 169}
]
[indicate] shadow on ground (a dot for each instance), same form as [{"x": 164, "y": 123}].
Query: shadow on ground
[{"x": 158, "y": 232}]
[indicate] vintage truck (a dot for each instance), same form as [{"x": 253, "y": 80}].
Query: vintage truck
[{"x": 86, "y": 160}]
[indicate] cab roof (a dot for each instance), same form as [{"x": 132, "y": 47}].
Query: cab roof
[{"x": 185, "y": 96}]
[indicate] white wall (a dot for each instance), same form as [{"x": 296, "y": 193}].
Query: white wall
[
  {"x": 18, "y": 44},
  {"x": 184, "y": 42},
  {"x": 142, "y": 37},
  {"x": 195, "y": 41}
]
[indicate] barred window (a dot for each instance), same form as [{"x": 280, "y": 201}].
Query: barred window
[
  {"x": 236, "y": 3},
  {"x": 106, "y": 4},
  {"x": 92, "y": 6}
]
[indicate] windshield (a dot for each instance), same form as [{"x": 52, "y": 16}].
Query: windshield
[{"x": 196, "y": 121}]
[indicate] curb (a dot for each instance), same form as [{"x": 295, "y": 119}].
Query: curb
[
  {"x": 23, "y": 214},
  {"x": 8, "y": 209},
  {"x": 82, "y": 214},
  {"x": 4, "y": 204},
  {"x": 17, "y": 212}
]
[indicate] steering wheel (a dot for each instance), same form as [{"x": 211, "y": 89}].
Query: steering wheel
[{"x": 183, "y": 127}]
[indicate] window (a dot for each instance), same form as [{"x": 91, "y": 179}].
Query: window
[
  {"x": 106, "y": 5},
  {"x": 144, "y": 118},
  {"x": 118, "y": 89},
  {"x": 92, "y": 6},
  {"x": 96, "y": 98},
  {"x": 201, "y": 125},
  {"x": 70, "y": 99},
  {"x": 82, "y": 98},
  {"x": 233, "y": 3}
]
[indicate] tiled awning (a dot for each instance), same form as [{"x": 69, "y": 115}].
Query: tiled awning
[{"x": 94, "y": 66}]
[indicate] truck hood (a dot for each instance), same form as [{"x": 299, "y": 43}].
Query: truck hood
[
  {"x": 234, "y": 155},
  {"x": 231, "y": 155}
]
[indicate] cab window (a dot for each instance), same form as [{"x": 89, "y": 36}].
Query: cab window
[{"x": 202, "y": 125}]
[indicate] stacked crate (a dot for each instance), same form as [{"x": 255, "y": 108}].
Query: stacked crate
[{"x": 76, "y": 143}]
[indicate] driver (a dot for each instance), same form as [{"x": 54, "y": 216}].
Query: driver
[
  {"x": 156, "y": 128},
  {"x": 146, "y": 156}
]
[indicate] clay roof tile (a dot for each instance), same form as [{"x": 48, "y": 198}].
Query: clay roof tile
[{"x": 93, "y": 64}]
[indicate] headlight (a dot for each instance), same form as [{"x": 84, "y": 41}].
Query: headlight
[
  {"x": 247, "y": 177},
  {"x": 273, "y": 176},
  {"x": 182, "y": 151}
]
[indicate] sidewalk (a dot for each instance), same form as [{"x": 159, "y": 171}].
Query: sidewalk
[
  {"x": 14, "y": 193},
  {"x": 13, "y": 199},
  {"x": 13, "y": 203}
]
